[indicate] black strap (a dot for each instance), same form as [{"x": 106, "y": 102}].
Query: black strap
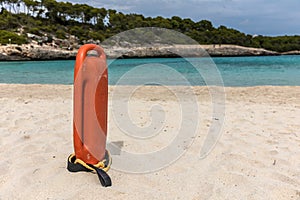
[
  {"x": 103, "y": 176},
  {"x": 77, "y": 167}
]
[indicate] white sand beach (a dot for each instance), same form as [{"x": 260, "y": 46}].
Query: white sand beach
[{"x": 256, "y": 157}]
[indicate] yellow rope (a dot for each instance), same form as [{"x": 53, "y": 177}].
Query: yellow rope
[{"x": 100, "y": 165}]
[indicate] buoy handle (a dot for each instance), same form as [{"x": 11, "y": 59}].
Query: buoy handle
[{"x": 82, "y": 53}]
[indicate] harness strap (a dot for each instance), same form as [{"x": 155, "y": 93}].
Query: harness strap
[{"x": 77, "y": 165}]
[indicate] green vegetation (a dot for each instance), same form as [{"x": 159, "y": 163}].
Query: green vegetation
[
  {"x": 7, "y": 37},
  {"x": 63, "y": 19}
]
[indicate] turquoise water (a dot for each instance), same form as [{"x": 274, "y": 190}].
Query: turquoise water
[{"x": 235, "y": 71}]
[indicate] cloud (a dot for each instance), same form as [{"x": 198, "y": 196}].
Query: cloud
[{"x": 271, "y": 17}]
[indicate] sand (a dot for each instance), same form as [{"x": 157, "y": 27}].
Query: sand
[{"x": 256, "y": 157}]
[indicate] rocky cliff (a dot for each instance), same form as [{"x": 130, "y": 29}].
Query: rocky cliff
[
  {"x": 186, "y": 51},
  {"x": 35, "y": 52}
]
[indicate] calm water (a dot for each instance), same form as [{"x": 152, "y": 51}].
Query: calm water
[{"x": 234, "y": 71}]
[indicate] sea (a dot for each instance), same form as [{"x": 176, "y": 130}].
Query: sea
[{"x": 228, "y": 71}]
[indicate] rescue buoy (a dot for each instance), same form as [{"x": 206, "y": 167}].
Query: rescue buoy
[{"x": 90, "y": 104}]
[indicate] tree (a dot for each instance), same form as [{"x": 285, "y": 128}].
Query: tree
[
  {"x": 7, "y": 37},
  {"x": 32, "y": 6},
  {"x": 204, "y": 25},
  {"x": 52, "y": 9}
]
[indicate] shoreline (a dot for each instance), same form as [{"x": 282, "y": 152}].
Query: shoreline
[
  {"x": 290, "y": 93},
  {"x": 44, "y": 53}
]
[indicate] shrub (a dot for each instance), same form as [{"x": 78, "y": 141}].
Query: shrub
[
  {"x": 7, "y": 37},
  {"x": 35, "y": 31},
  {"x": 61, "y": 34}
]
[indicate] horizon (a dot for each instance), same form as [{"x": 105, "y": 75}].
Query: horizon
[{"x": 269, "y": 19}]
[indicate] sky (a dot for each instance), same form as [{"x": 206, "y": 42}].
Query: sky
[{"x": 261, "y": 17}]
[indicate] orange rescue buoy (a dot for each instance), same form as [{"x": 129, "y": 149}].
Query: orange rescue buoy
[{"x": 90, "y": 112}]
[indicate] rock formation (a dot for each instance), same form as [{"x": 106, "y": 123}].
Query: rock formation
[{"x": 36, "y": 52}]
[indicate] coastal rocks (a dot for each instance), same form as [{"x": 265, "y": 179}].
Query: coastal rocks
[
  {"x": 291, "y": 53},
  {"x": 226, "y": 50},
  {"x": 149, "y": 52},
  {"x": 234, "y": 50},
  {"x": 36, "y": 52},
  {"x": 184, "y": 51},
  {"x": 50, "y": 54},
  {"x": 11, "y": 53}
]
